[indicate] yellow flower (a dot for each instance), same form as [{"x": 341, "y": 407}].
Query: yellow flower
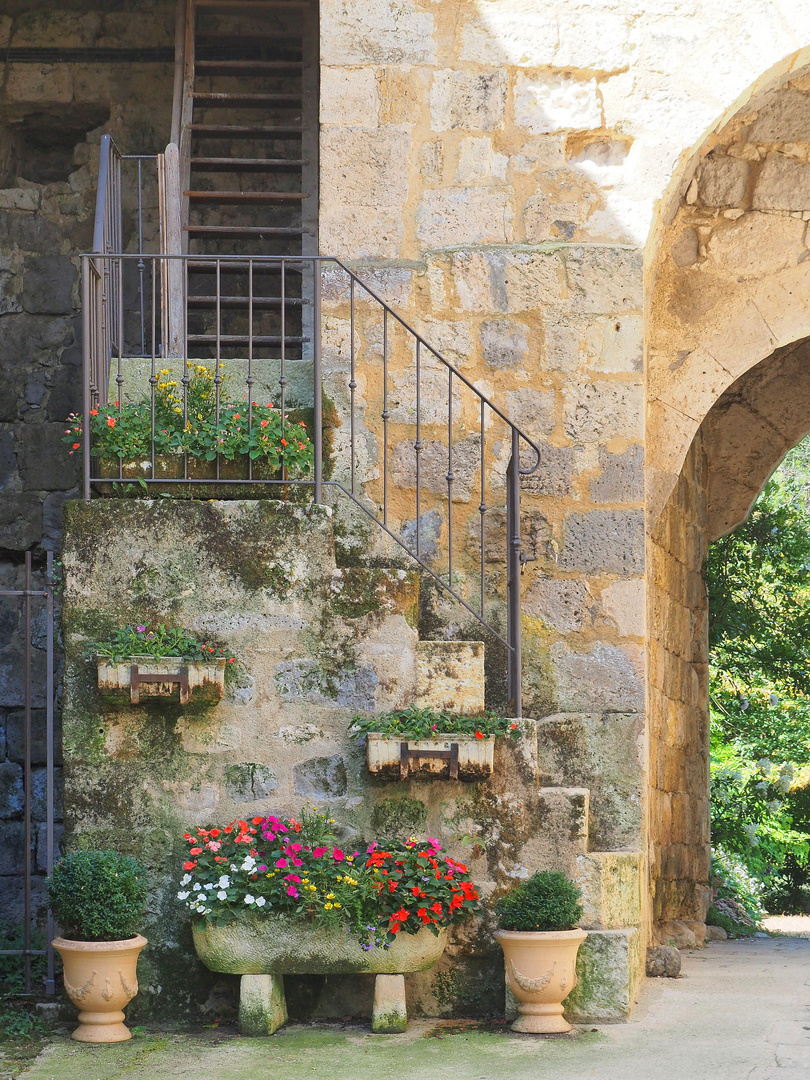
[
  {"x": 330, "y": 896},
  {"x": 327, "y": 907}
]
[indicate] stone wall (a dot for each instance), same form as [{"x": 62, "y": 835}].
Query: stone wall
[
  {"x": 52, "y": 116},
  {"x": 678, "y": 715},
  {"x": 316, "y": 643}
]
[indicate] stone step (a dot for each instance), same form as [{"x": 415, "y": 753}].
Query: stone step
[
  {"x": 611, "y": 884},
  {"x": 560, "y": 836},
  {"x": 450, "y": 676}
]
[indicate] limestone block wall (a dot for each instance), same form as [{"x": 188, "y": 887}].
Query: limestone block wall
[
  {"x": 678, "y": 715},
  {"x": 316, "y": 643}
]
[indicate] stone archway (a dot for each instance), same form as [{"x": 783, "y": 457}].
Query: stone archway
[{"x": 728, "y": 394}]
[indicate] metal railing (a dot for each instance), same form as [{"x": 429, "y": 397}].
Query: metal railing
[
  {"x": 421, "y": 436},
  {"x": 32, "y": 672}
]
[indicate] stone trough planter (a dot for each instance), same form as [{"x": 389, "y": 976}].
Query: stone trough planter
[
  {"x": 265, "y": 948},
  {"x": 140, "y": 678},
  {"x": 449, "y": 757}
]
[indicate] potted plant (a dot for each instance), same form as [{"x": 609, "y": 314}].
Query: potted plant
[
  {"x": 98, "y": 898},
  {"x": 278, "y": 897},
  {"x": 147, "y": 662},
  {"x": 540, "y": 940},
  {"x": 432, "y": 742}
]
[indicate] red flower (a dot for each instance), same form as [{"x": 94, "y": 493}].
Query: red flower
[
  {"x": 456, "y": 902},
  {"x": 196, "y": 851},
  {"x": 256, "y": 820},
  {"x": 94, "y": 412},
  {"x": 76, "y": 445},
  {"x": 215, "y": 833},
  {"x": 479, "y": 735},
  {"x": 189, "y": 865},
  {"x": 283, "y": 442},
  {"x": 437, "y": 907},
  {"x": 110, "y": 421},
  {"x": 423, "y": 915},
  {"x": 401, "y": 915},
  {"x": 394, "y": 927}
]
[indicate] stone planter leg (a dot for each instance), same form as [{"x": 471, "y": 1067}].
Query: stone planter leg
[
  {"x": 389, "y": 1015},
  {"x": 262, "y": 1005}
]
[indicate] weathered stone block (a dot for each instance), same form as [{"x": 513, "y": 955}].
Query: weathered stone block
[
  {"x": 351, "y": 687},
  {"x": 473, "y": 101},
  {"x": 604, "y": 541},
  {"x": 556, "y": 103},
  {"x": 563, "y": 604},
  {"x": 553, "y": 475},
  {"x": 624, "y": 603},
  {"x": 321, "y": 777},
  {"x": 600, "y": 411},
  {"x": 561, "y": 834},
  {"x": 48, "y": 283},
  {"x": 612, "y": 886},
  {"x": 504, "y": 343},
  {"x": 722, "y": 181},
  {"x": 783, "y": 184},
  {"x": 685, "y": 251},
  {"x": 604, "y": 280},
  {"x": 50, "y": 84},
  {"x": 249, "y": 781},
  {"x": 757, "y": 244},
  {"x": 11, "y": 790},
  {"x": 609, "y": 966},
  {"x": 622, "y": 477},
  {"x": 349, "y": 97},
  {"x": 785, "y": 118},
  {"x": 603, "y": 753},
  {"x": 385, "y": 32},
  {"x": 472, "y": 215},
  {"x": 389, "y": 1014},
  {"x": 450, "y": 676},
  {"x": 478, "y": 163},
  {"x": 433, "y": 466}
]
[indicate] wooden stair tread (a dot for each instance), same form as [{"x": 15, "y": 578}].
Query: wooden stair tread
[
  {"x": 236, "y": 131},
  {"x": 243, "y": 301},
  {"x": 245, "y": 230},
  {"x": 245, "y": 196},
  {"x": 245, "y": 164},
  {"x": 245, "y": 66},
  {"x": 228, "y": 99}
]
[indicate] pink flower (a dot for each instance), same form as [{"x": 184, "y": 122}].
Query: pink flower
[
  {"x": 296, "y": 847},
  {"x": 292, "y": 877},
  {"x": 140, "y": 629},
  {"x": 281, "y": 863},
  {"x": 338, "y": 855},
  {"x": 318, "y": 852},
  {"x": 297, "y": 862},
  {"x": 292, "y": 891},
  {"x": 213, "y": 845}
]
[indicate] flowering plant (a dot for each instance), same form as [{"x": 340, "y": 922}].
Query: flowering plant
[
  {"x": 201, "y": 423},
  {"x": 413, "y": 723},
  {"x": 297, "y": 868},
  {"x": 143, "y": 640}
]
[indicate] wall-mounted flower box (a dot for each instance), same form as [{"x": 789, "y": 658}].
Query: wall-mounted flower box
[
  {"x": 145, "y": 677},
  {"x": 443, "y": 756}
]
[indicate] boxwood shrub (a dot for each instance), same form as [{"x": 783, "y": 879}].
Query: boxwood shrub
[
  {"x": 547, "y": 901},
  {"x": 97, "y": 895}
]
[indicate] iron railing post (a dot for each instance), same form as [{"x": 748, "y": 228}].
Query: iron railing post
[
  {"x": 27, "y": 777},
  {"x": 513, "y": 547},
  {"x": 87, "y": 377},
  {"x": 50, "y": 982},
  {"x": 317, "y": 387}
]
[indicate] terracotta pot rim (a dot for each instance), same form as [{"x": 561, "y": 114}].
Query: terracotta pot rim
[
  {"x": 136, "y": 941},
  {"x": 541, "y": 936}
]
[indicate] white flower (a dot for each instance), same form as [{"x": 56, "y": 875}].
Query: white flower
[
  {"x": 185, "y": 879},
  {"x": 249, "y": 863},
  {"x": 250, "y": 899},
  {"x": 222, "y": 895},
  {"x": 261, "y": 902},
  {"x": 197, "y": 886},
  {"x": 224, "y": 881},
  {"x": 183, "y": 895}
]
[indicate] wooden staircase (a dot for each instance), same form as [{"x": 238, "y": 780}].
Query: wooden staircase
[{"x": 248, "y": 164}]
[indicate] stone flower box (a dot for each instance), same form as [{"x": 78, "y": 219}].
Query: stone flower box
[
  {"x": 453, "y": 757},
  {"x": 144, "y": 677},
  {"x": 203, "y": 481},
  {"x": 265, "y": 948}
]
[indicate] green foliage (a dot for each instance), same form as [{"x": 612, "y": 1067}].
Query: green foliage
[
  {"x": 413, "y": 723},
  {"x": 17, "y": 1022},
  {"x": 158, "y": 641},
  {"x": 204, "y": 423},
  {"x": 98, "y": 895},
  {"x": 758, "y": 580},
  {"x": 788, "y": 890},
  {"x": 730, "y": 878},
  {"x": 547, "y": 901}
]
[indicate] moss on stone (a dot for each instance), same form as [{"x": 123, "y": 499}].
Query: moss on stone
[{"x": 399, "y": 817}]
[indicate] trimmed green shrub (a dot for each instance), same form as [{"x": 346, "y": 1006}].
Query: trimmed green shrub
[
  {"x": 547, "y": 901},
  {"x": 97, "y": 895}
]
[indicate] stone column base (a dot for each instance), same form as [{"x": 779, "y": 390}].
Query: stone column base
[{"x": 389, "y": 1015}]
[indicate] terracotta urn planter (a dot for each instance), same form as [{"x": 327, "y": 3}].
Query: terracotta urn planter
[
  {"x": 144, "y": 677},
  {"x": 100, "y": 979},
  {"x": 449, "y": 757},
  {"x": 541, "y": 971}
]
